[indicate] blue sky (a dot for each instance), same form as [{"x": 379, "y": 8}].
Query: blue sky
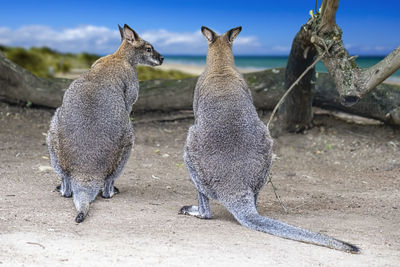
[{"x": 370, "y": 27}]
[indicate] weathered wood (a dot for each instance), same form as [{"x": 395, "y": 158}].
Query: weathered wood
[
  {"x": 352, "y": 82},
  {"x": 382, "y": 103},
  {"x": 19, "y": 86},
  {"x": 297, "y": 109},
  {"x": 328, "y": 11},
  {"x": 322, "y": 36}
]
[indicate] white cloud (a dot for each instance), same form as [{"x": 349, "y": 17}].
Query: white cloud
[
  {"x": 87, "y": 38},
  {"x": 102, "y": 40}
]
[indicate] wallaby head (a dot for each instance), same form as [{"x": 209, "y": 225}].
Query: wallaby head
[
  {"x": 220, "y": 47},
  {"x": 137, "y": 50}
]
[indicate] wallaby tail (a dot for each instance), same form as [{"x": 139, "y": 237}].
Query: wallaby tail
[
  {"x": 84, "y": 191},
  {"x": 81, "y": 201},
  {"x": 246, "y": 214}
]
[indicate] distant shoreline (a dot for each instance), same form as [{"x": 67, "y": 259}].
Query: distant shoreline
[
  {"x": 197, "y": 69},
  {"x": 250, "y": 63}
]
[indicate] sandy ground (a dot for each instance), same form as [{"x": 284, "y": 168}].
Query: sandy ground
[{"x": 338, "y": 179}]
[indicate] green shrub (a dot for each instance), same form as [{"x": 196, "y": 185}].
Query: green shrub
[
  {"x": 44, "y": 61},
  {"x": 149, "y": 73},
  {"x": 44, "y": 50},
  {"x": 3, "y": 48},
  {"x": 28, "y": 60},
  {"x": 88, "y": 59},
  {"x": 63, "y": 66}
]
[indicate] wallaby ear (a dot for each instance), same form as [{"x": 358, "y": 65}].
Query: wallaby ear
[
  {"x": 232, "y": 33},
  {"x": 209, "y": 34},
  {"x": 121, "y": 31},
  {"x": 129, "y": 34}
]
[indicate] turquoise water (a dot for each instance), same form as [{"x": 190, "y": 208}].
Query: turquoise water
[{"x": 267, "y": 62}]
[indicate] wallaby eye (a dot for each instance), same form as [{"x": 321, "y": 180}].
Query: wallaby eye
[{"x": 148, "y": 49}]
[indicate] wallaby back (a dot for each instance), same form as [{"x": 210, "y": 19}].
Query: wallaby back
[
  {"x": 228, "y": 150},
  {"x": 91, "y": 134}
]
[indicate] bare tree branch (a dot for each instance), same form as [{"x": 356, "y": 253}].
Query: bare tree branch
[
  {"x": 380, "y": 71},
  {"x": 328, "y": 11}
]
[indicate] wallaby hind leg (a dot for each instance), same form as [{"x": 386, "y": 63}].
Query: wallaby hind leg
[
  {"x": 65, "y": 187},
  {"x": 109, "y": 189},
  {"x": 202, "y": 211}
]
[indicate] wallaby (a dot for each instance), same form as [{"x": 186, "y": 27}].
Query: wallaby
[
  {"x": 228, "y": 150},
  {"x": 91, "y": 135}
]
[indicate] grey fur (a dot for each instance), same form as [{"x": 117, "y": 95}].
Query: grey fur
[
  {"x": 91, "y": 135},
  {"x": 228, "y": 150}
]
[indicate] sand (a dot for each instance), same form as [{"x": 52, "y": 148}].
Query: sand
[{"x": 338, "y": 179}]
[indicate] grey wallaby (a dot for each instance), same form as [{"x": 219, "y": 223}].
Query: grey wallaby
[
  {"x": 91, "y": 135},
  {"x": 228, "y": 150}
]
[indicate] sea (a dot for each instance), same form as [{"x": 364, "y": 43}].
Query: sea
[{"x": 268, "y": 62}]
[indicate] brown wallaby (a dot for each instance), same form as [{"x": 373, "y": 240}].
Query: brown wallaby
[
  {"x": 228, "y": 150},
  {"x": 91, "y": 135}
]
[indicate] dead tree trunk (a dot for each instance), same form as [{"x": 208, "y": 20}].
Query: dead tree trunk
[
  {"x": 320, "y": 36},
  {"x": 297, "y": 108},
  {"x": 352, "y": 82}
]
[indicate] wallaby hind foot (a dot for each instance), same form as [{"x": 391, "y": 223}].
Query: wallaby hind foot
[
  {"x": 109, "y": 194},
  {"x": 65, "y": 189},
  {"x": 193, "y": 211},
  {"x": 201, "y": 211}
]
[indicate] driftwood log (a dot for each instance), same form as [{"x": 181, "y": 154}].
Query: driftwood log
[{"x": 17, "y": 86}]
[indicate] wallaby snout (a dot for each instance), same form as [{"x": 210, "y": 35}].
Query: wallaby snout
[{"x": 158, "y": 59}]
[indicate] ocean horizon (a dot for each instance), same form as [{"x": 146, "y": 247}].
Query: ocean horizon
[{"x": 267, "y": 62}]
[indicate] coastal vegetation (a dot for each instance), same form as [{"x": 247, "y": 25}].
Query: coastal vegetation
[{"x": 46, "y": 62}]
